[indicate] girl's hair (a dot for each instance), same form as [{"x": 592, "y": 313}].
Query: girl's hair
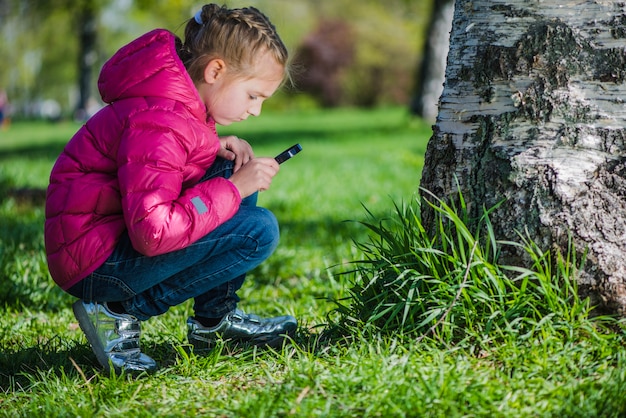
[{"x": 235, "y": 35}]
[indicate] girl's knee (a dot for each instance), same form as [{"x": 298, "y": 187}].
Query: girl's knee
[
  {"x": 259, "y": 225},
  {"x": 269, "y": 223}
]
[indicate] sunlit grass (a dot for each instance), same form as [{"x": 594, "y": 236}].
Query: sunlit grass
[{"x": 428, "y": 326}]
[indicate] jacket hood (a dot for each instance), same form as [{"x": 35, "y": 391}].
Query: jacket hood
[{"x": 150, "y": 67}]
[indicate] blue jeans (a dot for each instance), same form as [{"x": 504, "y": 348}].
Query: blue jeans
[{"x": 210, "y": 270}]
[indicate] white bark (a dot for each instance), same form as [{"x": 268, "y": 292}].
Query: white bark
[
  {"x": 533, "y": 112},
  {"x": 433, "y": 66}
]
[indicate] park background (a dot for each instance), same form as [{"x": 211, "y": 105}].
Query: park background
[
  {"x": 350, "y": 196},
  {"x": 355, "y": 53}
]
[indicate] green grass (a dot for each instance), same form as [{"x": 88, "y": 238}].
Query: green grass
[{"x": 394, "y": 322}]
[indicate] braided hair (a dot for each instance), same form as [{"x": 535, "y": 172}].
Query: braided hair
[{"x": 235, "y": 35}]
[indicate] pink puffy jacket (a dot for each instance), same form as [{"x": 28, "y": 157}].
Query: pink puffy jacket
[{"x": 135, "y": 166}]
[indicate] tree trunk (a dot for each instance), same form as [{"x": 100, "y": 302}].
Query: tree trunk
[
  {"x": 431, "y": 74},
  {"x": 87, "y": 56},
  {"x": 533, "y": 113}
]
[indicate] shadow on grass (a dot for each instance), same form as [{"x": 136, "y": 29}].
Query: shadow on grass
[
  {"x": 23, "y": 367},
  {"x": 48, "y": 151},
  {"x": 314, "y": 130},
  {"x": 24, "y": 195},
  {"x": 27, "y": 367}
]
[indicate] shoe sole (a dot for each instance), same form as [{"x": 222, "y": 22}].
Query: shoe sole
[
  {"x": 275, "y": 343},
  {"x": 90, "y": 332}
]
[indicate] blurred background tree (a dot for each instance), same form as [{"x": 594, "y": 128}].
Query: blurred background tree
[
  {"x": 430, "y": 73},
  {"x": 354, "y": 53}
]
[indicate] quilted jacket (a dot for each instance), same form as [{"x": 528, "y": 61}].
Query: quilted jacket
[{"x": 135, "y": 166}]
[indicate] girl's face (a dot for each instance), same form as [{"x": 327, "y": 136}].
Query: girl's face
[{"x": 230, "y": 99}]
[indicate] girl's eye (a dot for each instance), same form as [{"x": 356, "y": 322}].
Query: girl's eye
[{"x": 252, "y": 97}]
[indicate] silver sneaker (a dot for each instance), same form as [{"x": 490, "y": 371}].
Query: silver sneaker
[
  {"x": 114, "y": 338},
  {"x": 238, "y": 326}
]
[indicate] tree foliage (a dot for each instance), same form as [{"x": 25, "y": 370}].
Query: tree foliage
[
  {"x": 372, "y": 60},
  {"x": 322, "y": 57},
  {"x": 42, "y": 42}
]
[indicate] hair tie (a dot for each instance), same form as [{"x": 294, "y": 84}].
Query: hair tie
[{"x": 198, "y": 17}]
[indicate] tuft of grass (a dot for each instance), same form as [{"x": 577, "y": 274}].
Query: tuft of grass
[{"x": 450, "y": 287}]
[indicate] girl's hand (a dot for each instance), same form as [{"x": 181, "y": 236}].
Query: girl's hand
[
  {"x": 235, "y": 149},
  {"x": 255, "y": 176}
]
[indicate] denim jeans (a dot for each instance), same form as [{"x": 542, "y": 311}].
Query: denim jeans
[{"x": 210, "y": 270}]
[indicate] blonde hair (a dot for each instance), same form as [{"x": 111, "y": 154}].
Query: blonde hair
[{"x": 235, "y": 35}]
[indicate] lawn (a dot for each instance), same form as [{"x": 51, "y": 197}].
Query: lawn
[{"x": 355, "y": 168}]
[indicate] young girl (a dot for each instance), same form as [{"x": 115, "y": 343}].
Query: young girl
[{"x": 147, "y": 207}]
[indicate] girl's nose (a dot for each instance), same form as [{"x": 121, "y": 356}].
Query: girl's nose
[{"x": 255, "y": 110}]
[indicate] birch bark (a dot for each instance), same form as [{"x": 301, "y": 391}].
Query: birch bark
[{"x": 533, "y": 112}]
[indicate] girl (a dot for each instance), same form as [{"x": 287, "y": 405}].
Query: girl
[{"x": 147, "y": 207}]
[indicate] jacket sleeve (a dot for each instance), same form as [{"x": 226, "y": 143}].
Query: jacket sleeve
[{"x": 161, "y": 214}]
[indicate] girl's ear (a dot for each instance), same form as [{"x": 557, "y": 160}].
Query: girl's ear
[{"x": 213, "y": 70}]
